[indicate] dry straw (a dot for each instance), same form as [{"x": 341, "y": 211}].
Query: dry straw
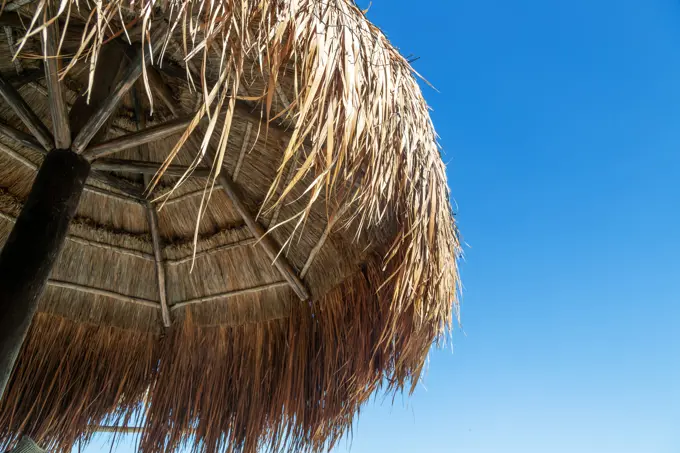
[{"x": 322, "y": 125}]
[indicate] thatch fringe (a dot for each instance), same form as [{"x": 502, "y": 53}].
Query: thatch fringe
[
  {"x": 251, "y": 390},
  {"x": 267, "y": 372},
  {"x": 71, "y": 376}
]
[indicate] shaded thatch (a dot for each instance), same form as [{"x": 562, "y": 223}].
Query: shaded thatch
[{"x": 339, "y": 158}]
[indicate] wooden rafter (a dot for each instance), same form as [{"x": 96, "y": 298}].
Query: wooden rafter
[
  {"x": 322, "y": 240},
  {"x": 244, "y": 147},
  {"x": 109, "y": 105},
  {"x": 135, "y": 139},
  {"x": 146, "y": 168},
  {"x": 21, "y": 137},
  {"x": 163, "y": 91},
  {"x": 132, "y": 190},
  {"x": 58, "y": 108},
  {"x": 267, "y": 242},
  {"x": 258, "y": 231},
  {"x": 28, "y": 117},
  {"x": 152, "y": 215}
]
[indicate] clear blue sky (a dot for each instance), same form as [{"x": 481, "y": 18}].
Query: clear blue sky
[{"x": 560, "y": 122}]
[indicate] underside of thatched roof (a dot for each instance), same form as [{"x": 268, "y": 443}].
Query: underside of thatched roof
[{"x": 320, "y": 124}]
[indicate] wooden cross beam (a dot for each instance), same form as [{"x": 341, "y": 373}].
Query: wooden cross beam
[
  {"x": 146, "y": 168},
  {"x": 136, "y": 139}
]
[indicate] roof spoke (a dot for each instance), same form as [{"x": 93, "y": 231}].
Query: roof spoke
[
  {"x": 109, "y": 104},
  {"x": 135, "y": 139},
  {"x": 58, "y": 107},
  {"x": 152, "y": 215},
  {"x": 28, "y": 117},
  {"x": 147, "y": 168},
  {"x": 267, "y": 242}
]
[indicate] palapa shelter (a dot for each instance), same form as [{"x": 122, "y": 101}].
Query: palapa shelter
[{"x": 240, "y": 227}]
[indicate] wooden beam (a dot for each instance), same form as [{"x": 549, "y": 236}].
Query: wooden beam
[
  {"x": 58, "y": 107},
  {"x": 267, "y": 242},
  {"x": 152, "y": 216},
  {"x": 33, "y": 246},
  {"x": 163, "y": 91},
  {"x": 228, "y": 294},
  {"x": 109, "y": 105},
  {"x": 103, "y": 292},
  {"x": 21, "y": 137},
  {"x": 244, "y": 146},
  {"x": 135, "y": 139},
  {"x": 28, "y": 117},
  {"x": 132, "y": 190},
  {"x": 322, "y": 240},
  {"x": 146, "y": 168},
  {"x": 105, "y": 109}
]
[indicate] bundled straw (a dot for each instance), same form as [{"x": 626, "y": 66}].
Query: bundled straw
[{"x": 359, "y": 167}]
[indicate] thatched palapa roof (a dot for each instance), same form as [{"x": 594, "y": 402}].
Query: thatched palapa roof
[{"x": 321, "y": 138}]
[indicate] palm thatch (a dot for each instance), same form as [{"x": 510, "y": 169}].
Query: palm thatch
[{"x": 319, "y": 123}]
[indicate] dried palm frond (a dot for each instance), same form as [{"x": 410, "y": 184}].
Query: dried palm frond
[{"x": 344, "y": 165}]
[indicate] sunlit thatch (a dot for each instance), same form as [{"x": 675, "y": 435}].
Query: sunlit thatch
[{"x": 322, "y": 124}]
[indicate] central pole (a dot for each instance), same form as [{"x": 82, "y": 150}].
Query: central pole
[{"x": 33, "y": 246}]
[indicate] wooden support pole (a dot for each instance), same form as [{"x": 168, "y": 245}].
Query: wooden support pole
[
  {"x": 146, "y": 168},
  {"x": 28, "y": 117},
  {"x": 135, "y": 139},
  {"x": 58, "y": 107},
  {"x": 33, "y": 247}
]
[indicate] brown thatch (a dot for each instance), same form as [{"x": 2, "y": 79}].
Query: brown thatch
[{"x": 322, "y": 126}]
